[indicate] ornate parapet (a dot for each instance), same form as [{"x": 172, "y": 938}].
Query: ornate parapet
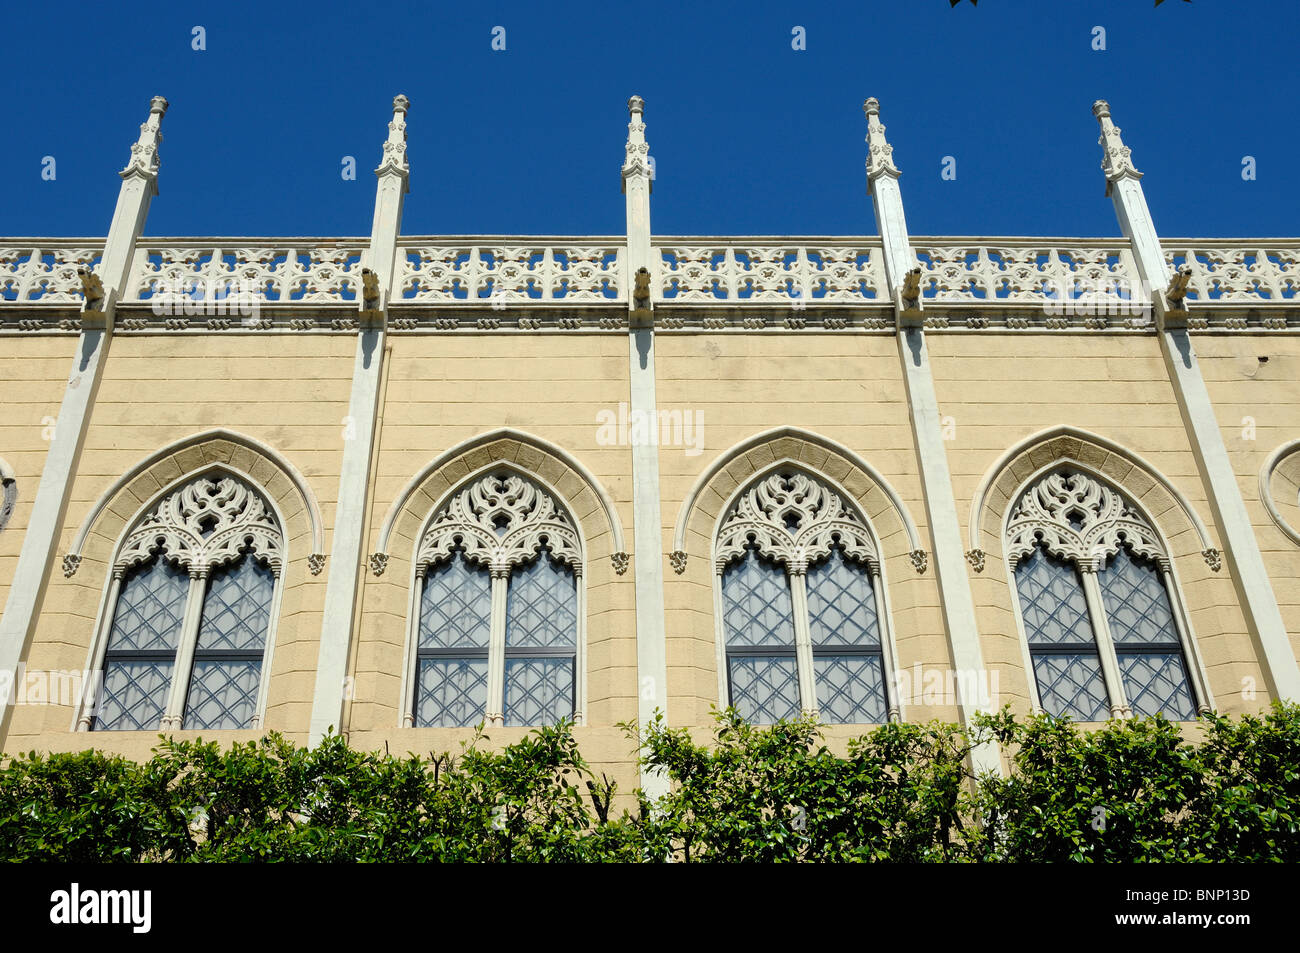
[{"x": 516, "y": 284}]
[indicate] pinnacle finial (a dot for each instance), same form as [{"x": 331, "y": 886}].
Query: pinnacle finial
[
  {"x": 144, "y": 151},
  {"x": 880, "y": 154},
  {"x": 1117, "y": 158},
  {"x": 637, "y": 161},
  {"x": 394, "y": 158}
]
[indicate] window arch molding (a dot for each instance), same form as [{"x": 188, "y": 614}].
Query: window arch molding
[
  {"x": 757, "y": 516},
  {"x": 449, "y": 531},
  {"x": 138, "y": 544},
  {"x": 1279, "y": 488},
  {"x": 218, "y": 445},
  {"x": 1088, "y": 525}
]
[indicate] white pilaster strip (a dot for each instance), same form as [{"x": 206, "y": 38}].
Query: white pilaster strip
[
  {"x": 1249, "y": 577},
  {"x": 380, "y": 276},
  {"x": 101, "y": 290},
  {"x": 647, "y": 524},
  {"x": 958, "y": 605}
]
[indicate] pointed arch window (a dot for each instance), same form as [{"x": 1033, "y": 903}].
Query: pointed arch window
[
  {"x": 189, "y": 613},
  {"x": 802, "y": 607},
  {"x": 497, "y": 609},
  {"x": 1106, "y": 632}
]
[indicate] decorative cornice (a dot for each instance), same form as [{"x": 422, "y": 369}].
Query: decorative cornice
[{"x": 1117, "y": 158}]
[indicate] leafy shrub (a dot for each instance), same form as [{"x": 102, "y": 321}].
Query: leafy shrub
[{"x": 1134, "y": 790}]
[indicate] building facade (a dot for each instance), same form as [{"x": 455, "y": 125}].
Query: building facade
[{"x": 394, "y": 486}]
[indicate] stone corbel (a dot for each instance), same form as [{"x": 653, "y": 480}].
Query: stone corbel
[
  {"x": 642, "y": 313},
  {"x": 373, "y": 303},
  {"x": 907, "y": 301},
  {"x": 1171, "y": 306},
  {"x": 97, "y": 304}
]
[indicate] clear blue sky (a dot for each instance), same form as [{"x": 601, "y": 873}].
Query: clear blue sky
[{"x": 749, "y": 135}]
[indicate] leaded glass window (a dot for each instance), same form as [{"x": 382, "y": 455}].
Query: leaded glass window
[
  {"x": 801, "y": 625},
  {"x": 497, "y": 638},
  {"x": 1094, "y": 585},
  {"x": 190, "y": 612}
]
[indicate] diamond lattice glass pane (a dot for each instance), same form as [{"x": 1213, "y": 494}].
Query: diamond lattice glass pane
[
  {"x": 1157, "y": 682},
  {"x": 1137, "y": 603},
  {"x": 456, "y": 607},
  {"x": 1071, "y": 684},
  {"x": 764, "y": 689},
  {"x": 237, "y": 607},
  {"x": 134, "y": 696},
  {"x": 850, "y": 689},
  {"x": 222, "y": 695},
  {"x": 1052, "y": 601},
  {"x": 450, "y": 693},
  {"x": 756, "y": 606},
  {"x": 841, "y": 607},
  {"x": 539, "y": 691},
  {"x": 150, "y": 608},
  {"x": 542, "y": 605}
]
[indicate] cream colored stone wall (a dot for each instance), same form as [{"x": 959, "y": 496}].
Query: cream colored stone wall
[
  {"x": 441, "y": 391},
  {"x": 288, "y": 392},
  {"x": 33, "y": 373},
  {"x": 845, "y": 387},
  {"x": 1258, "y": 407},
  {"x": 1001, "y": 389}
]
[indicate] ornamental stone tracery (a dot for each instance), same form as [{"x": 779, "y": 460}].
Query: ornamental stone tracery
[
  {"x": 796, "y": 520},
  {"x": 208, "y": 522},
  {"x": 1079, "y": 518},
  {"x": 500, "y": 521}
]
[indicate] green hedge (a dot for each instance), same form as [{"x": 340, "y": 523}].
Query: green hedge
[{"x": 1134, "y": 790}]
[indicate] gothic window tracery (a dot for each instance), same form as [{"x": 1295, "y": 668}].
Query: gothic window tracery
[
  {"x": 189, "y": 612},
  {"x": 498, "y": 585},
  {"x": 802, "y": 607},
  {"x": 1106, "y": 631}
]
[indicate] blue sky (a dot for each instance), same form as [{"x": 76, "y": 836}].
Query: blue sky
[{"x": 749, "y": 136}]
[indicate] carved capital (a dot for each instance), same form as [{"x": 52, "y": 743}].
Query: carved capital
[
  {"x": 378, "y": 563},
  {"x": 315, "y": 563},
  {"x": 1213, "y": 559},
  {"x": 71, "y": 563},
  {"x": 976, "y": 559},
  {"x": 919, "y": 560},
  {"x": 677, "y": 559},
  {"x": 620, "y": 562}
]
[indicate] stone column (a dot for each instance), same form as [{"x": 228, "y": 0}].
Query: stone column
[
  {"x": 950, "y": 566},
  {"x": 1245, "y": 564},
  {"x": 647, "y": 524},
  {"x": 380, "y": 278},
  {"x": 102, "y": 289}
]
